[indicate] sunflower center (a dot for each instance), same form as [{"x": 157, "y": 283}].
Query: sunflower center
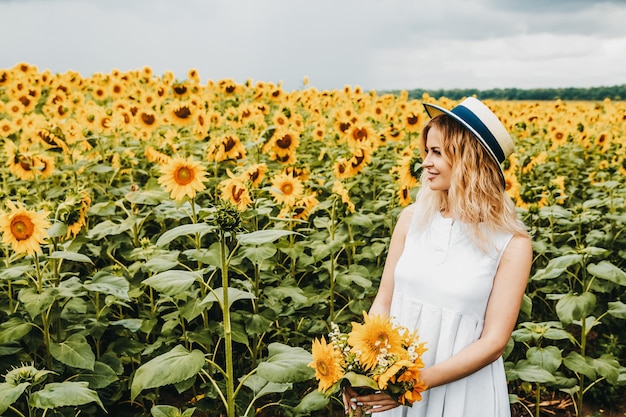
[
  {"x": 322, "y": 368},
  {"x": 22, "y": 227},
  {"x": 183, "y": 175},
  {"x": 359, "y": 134},
  {"x": 412, "y": 119},
  {"x": 229, "y": 144},
  {"x": 284, "y": 142},
  {"x": 147, "y": 119},
  {"x": 183, "y": 112},
  {"x": 287, "y": 188},
  {"x": 236, "y": 193}
]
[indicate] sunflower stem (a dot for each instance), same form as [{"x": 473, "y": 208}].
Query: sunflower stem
[
  {"x": 38, "y": 272},
  {"x": 228, "y": 337}
]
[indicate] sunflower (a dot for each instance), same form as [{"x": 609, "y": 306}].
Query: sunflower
[
  {"x": 376, "y": 337},
  {"x": 235, "y": 192},
  {"x": 413, "y": 121},
  {"x": 341, "y": 191},
  {"x": 390, "y": 374},
  {"x": 303, "y": 208},
  {"x": 182, "y": 177},
  {"x": 404, "y": 195},
  {"x": 255, "y": 174},
  {"x": 20, "y": 164},
  {"x": 360, "y": 159},
  {"x": 226, "y": 147},
  {"x": 153, "y": 155},
  {"x": 285, "y": 142},
  {"x": 44, "y": 165},
  {"x": 603, "y": 141},
  {"x": 559, "y": 137},
  {"x": 286, "y": 189},
  {"x": 408, "y": 170},
  {"x": 6, "y": 127},
  {"x": 73, "y": 212},
  {"x": 179, "y": 113},
  {"x": 361, "y": 135},
  {"x": 23, "y": 229},
  {"x": 147, "y": 119},
  {"x": 327, "y": 364}
]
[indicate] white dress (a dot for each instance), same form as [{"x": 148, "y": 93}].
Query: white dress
[{"x": 442, "y": 285}]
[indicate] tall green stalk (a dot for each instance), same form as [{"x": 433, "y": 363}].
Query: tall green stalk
[{"x": 228, "y": 337}]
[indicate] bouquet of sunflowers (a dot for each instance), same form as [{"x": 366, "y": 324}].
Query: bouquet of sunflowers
[{"x": 377, "y": 355}]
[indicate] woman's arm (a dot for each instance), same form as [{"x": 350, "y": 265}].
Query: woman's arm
[
  {"x": 382, "y": 302},
  {"x": 500, "y": 318}
]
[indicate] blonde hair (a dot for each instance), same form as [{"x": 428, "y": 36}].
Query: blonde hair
[{"x": 476, "y": 195}]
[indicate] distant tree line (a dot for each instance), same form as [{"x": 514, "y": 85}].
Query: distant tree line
[{"x": 617, "y": 92}]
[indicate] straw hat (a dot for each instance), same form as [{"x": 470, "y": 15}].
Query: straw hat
[{"x": 483, "y": 123}]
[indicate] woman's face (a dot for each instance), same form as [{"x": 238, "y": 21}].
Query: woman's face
[{"x": 438, "y": 168}]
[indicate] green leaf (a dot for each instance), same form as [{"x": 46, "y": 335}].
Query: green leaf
[
  {"x": 526, "y": 371},
  {"x": 557, "y": 266},
  {"x": 179, "y": 363},
  {"x": 313, "y": 401},
  {"x": 34, "y": 302},
  {"x": 548, "y": 358},
  {"x": 109, "y": 228},
  {"x": 165, "y": 411},
  {"x": 617, "y": 309},
  {"x": 172, "y": 282},
  {"x": 70, "y": 256},
  {"x": 184, "y": 230},
  {"x": 259, "y": 254},
  {"x": 607, "y": 366},
  {"x": 163, "y": 261},
  {"x": 234, "y": 294},
  {"x": 286, "y": 364},
  {"x": 349, "y": 279},
  {"x": 170, "y": 411},
  {"x": 261, "y": 237},
  {"x": 282, "y": 293},
  {"x": 606, "y": 270},
  {"x": 75, "y": 352},
  {"x": 15, "y": 272},
  {"x": 147, "y": 197},
  {"x": 261, "y": 386},
  {"x": 358, "y": 380},
  {"x": 106, "y": 283},
  {"x": 575, "y": 307},
  {"x": 577, "y": 363},
  {"x": 64, "y": 394},
  {"x": 102, "y": 376},
  {"x": 13, "y": 330},
  {"x": 9, "y": 394}
]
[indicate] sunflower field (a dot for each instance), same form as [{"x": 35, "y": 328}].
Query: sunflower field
[{"x": 172, "y": 248}]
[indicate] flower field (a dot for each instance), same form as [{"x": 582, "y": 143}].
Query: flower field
[{"x": 171, "y": 247}]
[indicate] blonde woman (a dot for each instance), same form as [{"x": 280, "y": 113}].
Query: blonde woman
[{"x": 457, "y": 268}]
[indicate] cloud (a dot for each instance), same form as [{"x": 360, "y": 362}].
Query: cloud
[{"x": 371, "y": 43}]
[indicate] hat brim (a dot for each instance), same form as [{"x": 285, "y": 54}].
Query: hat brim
[{"x": 433, "y": 110}]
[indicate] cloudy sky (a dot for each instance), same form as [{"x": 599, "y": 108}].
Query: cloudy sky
[{"x": 375, "y": 44}]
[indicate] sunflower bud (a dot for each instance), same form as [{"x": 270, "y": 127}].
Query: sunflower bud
[
  {"x": 25, "y": 373},
  {"x": 228, "y": 218}
]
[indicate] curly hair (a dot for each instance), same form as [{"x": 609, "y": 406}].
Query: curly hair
[{"x": 476, "y": 195}]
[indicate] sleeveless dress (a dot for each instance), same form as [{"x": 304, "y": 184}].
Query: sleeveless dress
[{"x": 442, "y": 285}]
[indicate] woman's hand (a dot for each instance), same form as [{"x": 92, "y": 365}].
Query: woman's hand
[{"x": 373, "y": 403}]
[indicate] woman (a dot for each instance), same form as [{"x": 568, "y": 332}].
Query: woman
[{"x": 457, "y": 268}]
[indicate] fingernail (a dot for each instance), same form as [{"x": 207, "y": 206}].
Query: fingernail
[{"x": 353, "y": 400}]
